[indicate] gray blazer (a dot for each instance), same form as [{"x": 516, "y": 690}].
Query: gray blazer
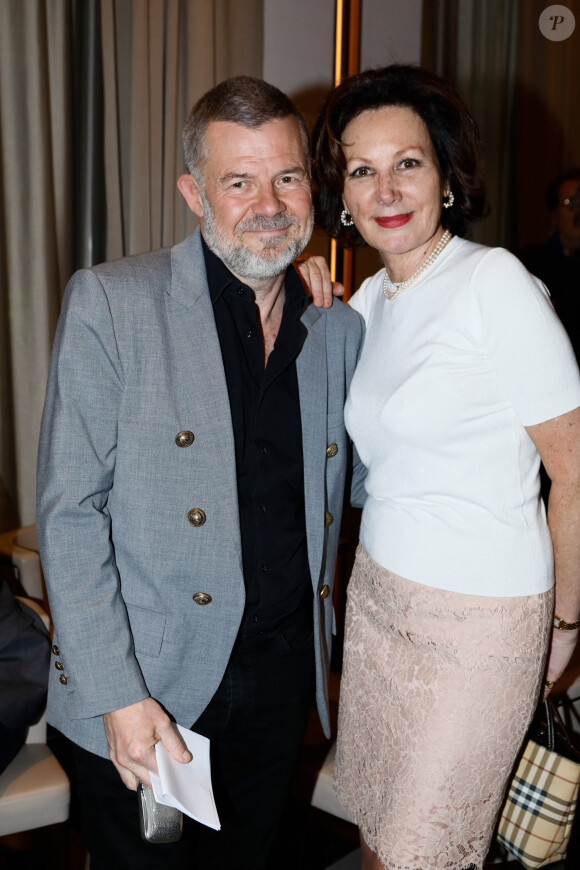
[{"x": 137, "y": 361}]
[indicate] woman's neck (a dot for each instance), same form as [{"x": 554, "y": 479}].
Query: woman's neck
[{"x": 401, "y": 267}]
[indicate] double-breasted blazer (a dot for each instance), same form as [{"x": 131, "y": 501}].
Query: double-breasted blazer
[{"x": 137, "y": 516}]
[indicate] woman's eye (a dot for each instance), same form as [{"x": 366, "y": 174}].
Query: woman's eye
[
  {"x": 360, "y": 172},
  {"x": 408, "y": 163}
]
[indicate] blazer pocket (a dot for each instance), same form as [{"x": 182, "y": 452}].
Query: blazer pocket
[{"x": 148, "y": 628}]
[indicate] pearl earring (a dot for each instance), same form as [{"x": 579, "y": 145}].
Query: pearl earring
[
  {"x": 450, "y": 199},
  {"x": 345, "y": 219}
]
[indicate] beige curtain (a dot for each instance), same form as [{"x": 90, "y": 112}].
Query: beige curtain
[
  {"x": 158, "y": 56},
  {"x": 35, "y": 228},
  {"x": 473, "y": 45}
]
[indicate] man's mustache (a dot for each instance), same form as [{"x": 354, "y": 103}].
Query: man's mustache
[{"x": 261, "y": 222}]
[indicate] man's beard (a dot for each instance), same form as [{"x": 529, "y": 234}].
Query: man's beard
[{"x": 267, "y": 263}]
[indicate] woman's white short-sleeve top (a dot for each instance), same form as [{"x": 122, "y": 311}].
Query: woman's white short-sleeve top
[{"x": 451, "y": 372}]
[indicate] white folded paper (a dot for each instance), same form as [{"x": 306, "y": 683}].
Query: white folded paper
[{"x": 187, "y": 786}]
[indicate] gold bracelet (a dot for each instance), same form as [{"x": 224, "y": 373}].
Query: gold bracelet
[{"x": 565, "y": 626}]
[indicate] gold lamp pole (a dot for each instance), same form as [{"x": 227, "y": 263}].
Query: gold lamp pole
[{"x": 346, "y": 63}]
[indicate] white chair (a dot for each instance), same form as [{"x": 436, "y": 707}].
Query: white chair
[
  {"x": 34, "y": 789},
  {"x": 20, "y": 548},
  {"x": 324, "y": 794},
  {"x": 324, "y": 798}
]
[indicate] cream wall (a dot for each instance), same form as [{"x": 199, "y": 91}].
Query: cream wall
[
  {"x": 299, "y": 39},
  {"x": 299, "y": 59}
]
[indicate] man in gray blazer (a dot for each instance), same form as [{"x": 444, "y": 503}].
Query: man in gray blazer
[{"x": 191, "y": 471}]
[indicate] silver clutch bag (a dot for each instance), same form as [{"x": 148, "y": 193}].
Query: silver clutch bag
[{"x": 159, "y": 823}]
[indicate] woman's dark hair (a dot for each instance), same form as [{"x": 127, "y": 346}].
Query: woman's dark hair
[{"x": 452, "y": 129}]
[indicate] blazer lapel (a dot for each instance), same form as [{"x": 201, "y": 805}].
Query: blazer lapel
[{"x": 201, "y": 381}]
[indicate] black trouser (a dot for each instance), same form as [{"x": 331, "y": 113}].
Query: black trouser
[{"x": 256, "y": 723}]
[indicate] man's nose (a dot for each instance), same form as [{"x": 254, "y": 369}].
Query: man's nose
[{"x": 267, "y": 202}]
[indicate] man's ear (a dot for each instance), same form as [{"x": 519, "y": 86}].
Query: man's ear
[{"x": 189, "y": 189}]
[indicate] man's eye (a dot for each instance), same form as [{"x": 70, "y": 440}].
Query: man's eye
[{"x": 238, "y": 184}]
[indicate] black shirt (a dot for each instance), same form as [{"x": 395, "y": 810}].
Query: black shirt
[{"x": 265, "y": 410}]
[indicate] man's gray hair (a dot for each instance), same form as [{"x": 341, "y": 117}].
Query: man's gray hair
[{"x": 243, "y": 100}]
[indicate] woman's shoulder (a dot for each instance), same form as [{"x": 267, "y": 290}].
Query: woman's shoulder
[
  {"x": 490, "y": 258},
  {"x": 494, "y": 273}
]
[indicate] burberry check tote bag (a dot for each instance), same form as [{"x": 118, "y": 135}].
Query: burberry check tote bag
[{"x": 536, "y": 821}]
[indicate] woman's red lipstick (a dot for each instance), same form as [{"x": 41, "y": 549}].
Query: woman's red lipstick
[{"x": 393, "y": 221}]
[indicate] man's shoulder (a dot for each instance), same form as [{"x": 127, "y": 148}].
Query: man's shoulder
[
  {"x": 138, "y": 270},
  {"x": 343, "y": 330},
  {"x": 143, "y": 274},
  {"x": 342, "y": 315},
  {"x": 120, "y": 285},
  {"x": 150, "y": 261},
  {"x": 144, "y": 260}
]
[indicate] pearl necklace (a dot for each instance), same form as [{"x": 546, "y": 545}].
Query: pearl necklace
[{"x": 391, "y": 290}]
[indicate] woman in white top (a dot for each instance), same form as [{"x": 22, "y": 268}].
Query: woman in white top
[{"x": 466, "y": 379}]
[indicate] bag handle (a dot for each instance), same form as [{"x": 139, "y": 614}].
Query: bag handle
[
  {"x": 555, "y": 728},
  {"x": 551, "y": 713}
]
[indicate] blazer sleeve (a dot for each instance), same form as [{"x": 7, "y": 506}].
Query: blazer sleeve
[
  {"x": 358, "y": 475},
  {"x": 358, "y": 493},
  {"x": 76, "y": 467}
]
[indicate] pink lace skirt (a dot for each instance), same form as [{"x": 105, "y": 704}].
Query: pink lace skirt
[{"x": 437, "y": 692}]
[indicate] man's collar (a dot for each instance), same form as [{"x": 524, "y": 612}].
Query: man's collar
[
  {"x": 218, "y": 274},
  {"x": 219, "y": 278}
]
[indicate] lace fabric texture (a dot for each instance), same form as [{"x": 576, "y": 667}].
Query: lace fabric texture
[{"x": 437, "y": 692}]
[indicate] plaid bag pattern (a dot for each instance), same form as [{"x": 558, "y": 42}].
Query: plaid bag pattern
[{"x": 536, "y": 821}]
